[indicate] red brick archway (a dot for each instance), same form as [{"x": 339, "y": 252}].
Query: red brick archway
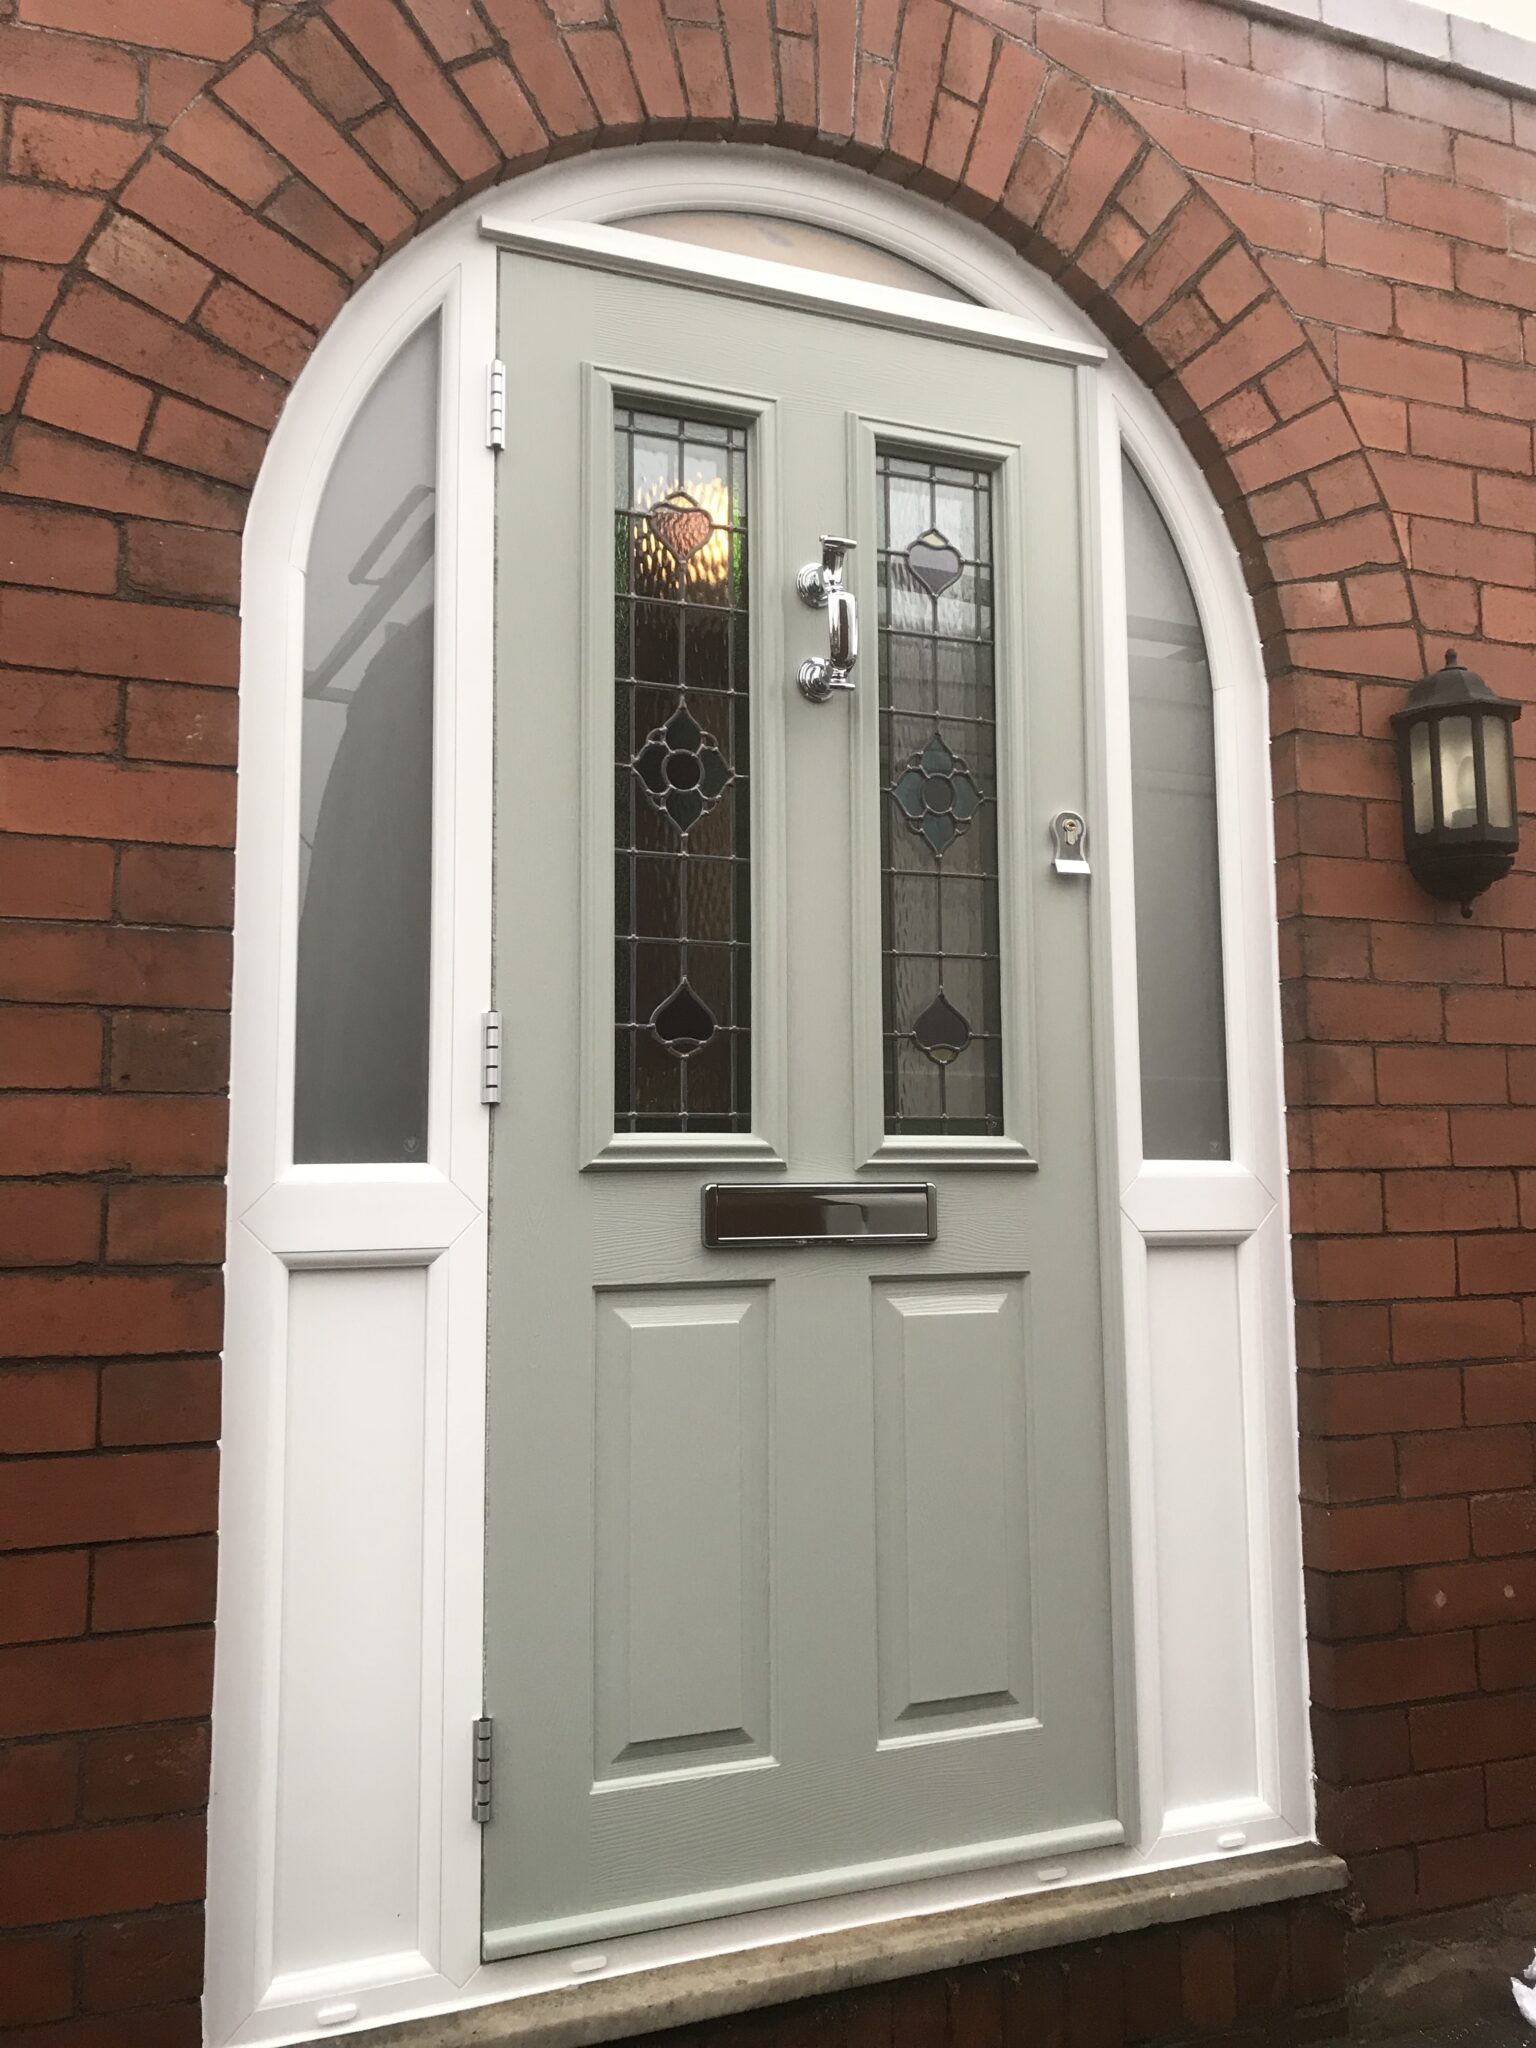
[{"x": 149, "y": 329}]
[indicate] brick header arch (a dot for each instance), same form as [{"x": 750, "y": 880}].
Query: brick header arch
[
  {"x": 191, "y": 297},
  {"x": 196, "y": 189}
]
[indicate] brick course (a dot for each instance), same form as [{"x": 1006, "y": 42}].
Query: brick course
[{"x": 1324, "y": 262}]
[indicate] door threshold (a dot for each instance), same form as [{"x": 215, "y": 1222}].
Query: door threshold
[{"x": 881, "y": 1952}]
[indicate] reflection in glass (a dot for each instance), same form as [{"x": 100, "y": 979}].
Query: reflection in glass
[
  {"x": 365, "y": 827},
  {"x": 1498, "y": 749},
  {"x": 942, "y": 996},
  {"x": 1423, "y": 788},
  {"x": 1178, "y": 895},
  {"x": 682, "y": 882}
]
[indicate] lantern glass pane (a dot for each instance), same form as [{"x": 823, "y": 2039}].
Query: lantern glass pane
[
  {"x": 1458, "y": 773},
  {"x": 1497, "y": 777},
  {"x": 1421, "y": 778},
  {"x": 1173, "y": 817}
]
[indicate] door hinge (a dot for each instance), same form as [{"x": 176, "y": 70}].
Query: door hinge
[
  {"x": 496, "y": 405},
  {"x": 480, "y": 1795},
  {"x": 490, "y": 1057}
]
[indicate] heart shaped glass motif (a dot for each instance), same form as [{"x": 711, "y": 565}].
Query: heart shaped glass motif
[
  {"x": 681, "y": 524},
  {"x": 684, "y": 1021},
  {"x": 935, "y": 562},
  {"x": 941, "y": 1031}
]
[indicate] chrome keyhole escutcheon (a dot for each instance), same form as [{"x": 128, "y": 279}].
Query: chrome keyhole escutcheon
[
  {"x": 1069, "y": 829},
  {"x": 820, "y": 585}
]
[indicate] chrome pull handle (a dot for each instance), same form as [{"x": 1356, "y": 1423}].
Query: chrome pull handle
[
  {"x": 820, "y": 585},
  {"x": 842, "y": 632}
]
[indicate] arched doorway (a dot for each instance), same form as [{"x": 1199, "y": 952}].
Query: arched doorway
[{"x": 355, "y": 1504}]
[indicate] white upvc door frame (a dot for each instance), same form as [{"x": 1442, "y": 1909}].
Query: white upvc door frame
[{"x": 344, "y": 1880}]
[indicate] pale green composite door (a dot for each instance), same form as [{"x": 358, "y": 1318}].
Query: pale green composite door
[{"x": 799, "y": 1553}]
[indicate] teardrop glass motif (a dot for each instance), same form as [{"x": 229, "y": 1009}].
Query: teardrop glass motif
[
  {"x": 684, "y": 1021},
  {"x": 941, "y": 1031}
]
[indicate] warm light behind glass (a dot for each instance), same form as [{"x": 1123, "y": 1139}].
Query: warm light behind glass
[{"x": 1458, "y": 773}]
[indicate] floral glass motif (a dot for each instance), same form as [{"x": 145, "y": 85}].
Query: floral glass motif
[
  {"x": 684, "y": 772},
  {"x": 937, "y": 794},
  {"x": 942, "y": 985},
  {"x": 682, "y": 775}
]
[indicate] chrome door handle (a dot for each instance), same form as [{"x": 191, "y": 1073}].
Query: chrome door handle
[{"x": 820, "y": 584}]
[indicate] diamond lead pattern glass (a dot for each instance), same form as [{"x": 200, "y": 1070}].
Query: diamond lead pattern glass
[
  {"x": 682, "y": 821},
  {"x": 942, "y": 992}
]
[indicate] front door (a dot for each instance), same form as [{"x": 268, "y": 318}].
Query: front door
[{"x": 799, "y": 1544}]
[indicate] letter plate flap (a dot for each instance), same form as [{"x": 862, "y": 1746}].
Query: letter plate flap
[{"x": 743, "y": 1215}]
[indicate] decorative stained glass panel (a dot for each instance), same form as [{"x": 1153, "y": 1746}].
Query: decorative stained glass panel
[
  {"x": 942, "y": 992},
  {"x": 682, "y": 815}
]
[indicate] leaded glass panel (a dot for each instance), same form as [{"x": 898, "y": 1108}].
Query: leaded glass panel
[
  {"x": 942, "y": 993},
  {"x": 682, "y": 814}
]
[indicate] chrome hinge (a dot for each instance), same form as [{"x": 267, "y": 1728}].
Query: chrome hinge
[
  {"x": 496, "y": 405},
  {"x": 480, "y": 1796},
  {"x": 490, "y": 1057}
]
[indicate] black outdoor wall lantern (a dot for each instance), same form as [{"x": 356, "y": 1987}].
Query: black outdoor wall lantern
[{"x": 1456, "y": 761}]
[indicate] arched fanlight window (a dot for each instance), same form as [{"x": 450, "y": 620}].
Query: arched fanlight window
[
  {"x": 1173, "y": 816},
  {"x": 365, "y": 868}
]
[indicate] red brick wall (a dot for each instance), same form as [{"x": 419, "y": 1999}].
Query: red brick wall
[{"x": 1324, "y": 261}]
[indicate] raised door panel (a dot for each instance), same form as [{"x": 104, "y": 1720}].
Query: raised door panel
[
  {"x": 952, "y": 1460},
  {"x": 682, "y": 1529}
]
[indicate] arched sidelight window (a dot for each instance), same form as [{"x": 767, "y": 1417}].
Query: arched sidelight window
[
  {"x": 365, "y": 832},
  {"x": 1180, "y": 996}
]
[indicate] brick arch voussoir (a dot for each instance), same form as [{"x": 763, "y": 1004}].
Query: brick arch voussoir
[{"x": 349, "y": 125}]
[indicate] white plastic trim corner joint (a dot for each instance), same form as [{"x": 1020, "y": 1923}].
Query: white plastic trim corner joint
[{"x": 1453, "y": 42}]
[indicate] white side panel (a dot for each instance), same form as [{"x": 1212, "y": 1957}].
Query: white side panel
[
  {"x": 1210, "y": 1752},
  {"x": 682, "y": 1528},
  {"x": 346, "y": 1876},
  {"x": 952, "y": 1480}
]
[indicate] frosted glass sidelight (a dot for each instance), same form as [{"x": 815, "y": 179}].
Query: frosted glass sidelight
[
  {"x": 365, "y": 827},
  {"x": 1178, "y": 894}
]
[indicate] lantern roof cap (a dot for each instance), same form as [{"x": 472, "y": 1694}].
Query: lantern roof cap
[{"x": 1453, "y": 688}]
